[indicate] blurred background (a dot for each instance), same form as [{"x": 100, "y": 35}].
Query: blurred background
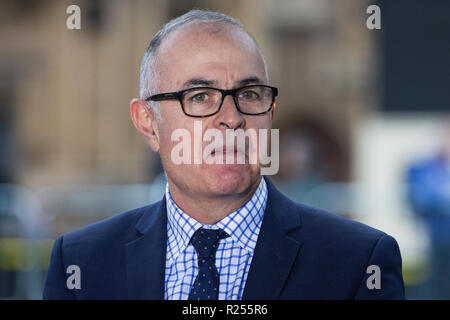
[{"x": 363, "y": 117}]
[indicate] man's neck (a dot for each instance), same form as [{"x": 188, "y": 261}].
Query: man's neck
[{"x": 210, "y": 210}]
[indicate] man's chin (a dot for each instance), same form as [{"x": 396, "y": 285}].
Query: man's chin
[{"x": 229, "y": 178}]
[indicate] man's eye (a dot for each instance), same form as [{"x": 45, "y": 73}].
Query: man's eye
[
  {"x": 249, "y": 95},
  {"x": 200, "y": 97}
]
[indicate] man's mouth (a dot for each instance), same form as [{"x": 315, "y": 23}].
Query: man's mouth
[{"x": 227, "y": 150}]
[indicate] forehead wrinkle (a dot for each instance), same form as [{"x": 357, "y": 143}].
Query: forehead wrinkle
[{"x": 199, "y": 82}]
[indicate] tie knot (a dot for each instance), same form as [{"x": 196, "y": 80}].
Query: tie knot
[{"x": 206, "y": 241}]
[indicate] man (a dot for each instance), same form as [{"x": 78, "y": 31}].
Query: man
[
  {"x": 222, "y": 231},
  {"x": 428, "y": 182}
]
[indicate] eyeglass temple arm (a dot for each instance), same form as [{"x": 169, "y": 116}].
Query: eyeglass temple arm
[{"x": 164, "y": 96}]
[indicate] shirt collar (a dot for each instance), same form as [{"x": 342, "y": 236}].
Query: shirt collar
[{"x": 242, "y": 225}]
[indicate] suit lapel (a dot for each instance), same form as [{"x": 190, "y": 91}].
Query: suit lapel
[
  {"x": 146, "y": 255},
  {"x": 275, "y": 251}
]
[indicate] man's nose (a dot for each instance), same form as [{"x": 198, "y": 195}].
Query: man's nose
[{"x": 229, "y": 116}]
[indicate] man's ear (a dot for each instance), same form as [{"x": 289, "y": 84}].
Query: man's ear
[{"x": 145, "y": 122}]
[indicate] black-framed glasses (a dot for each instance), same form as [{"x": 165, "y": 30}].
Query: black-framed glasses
[{"x": 206, "y": 101}]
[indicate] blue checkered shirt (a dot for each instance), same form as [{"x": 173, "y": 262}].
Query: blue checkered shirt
[{"x": 233, "y": 256}]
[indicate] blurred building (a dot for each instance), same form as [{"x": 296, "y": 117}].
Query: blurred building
[{"x": 65, "y": 93}]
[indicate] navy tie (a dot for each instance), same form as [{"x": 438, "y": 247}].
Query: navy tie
[{"x": 206, "y": 285}]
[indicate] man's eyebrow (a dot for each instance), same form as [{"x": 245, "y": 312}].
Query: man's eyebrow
[
  {"x": 249, "y": 80},
  {"x": 199, "y": 82}
]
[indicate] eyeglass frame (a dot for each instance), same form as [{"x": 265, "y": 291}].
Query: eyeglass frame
[{"x": 178, "y": 95}]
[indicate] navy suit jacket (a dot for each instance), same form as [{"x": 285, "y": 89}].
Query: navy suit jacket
[{"x": 301, "y": 253}]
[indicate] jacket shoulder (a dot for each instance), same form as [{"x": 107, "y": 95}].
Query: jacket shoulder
[
  {"x": 120, "y": 227},
  {"x": 339, "y": 251},
  {"x": 335, "y": 227},
  {"x": 302, "y": 221}
]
